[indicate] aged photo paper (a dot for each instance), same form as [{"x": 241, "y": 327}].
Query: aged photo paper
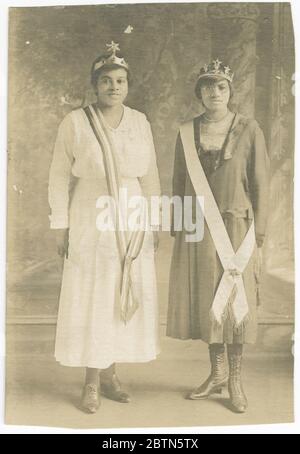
[{"x": 150, "y": 246}]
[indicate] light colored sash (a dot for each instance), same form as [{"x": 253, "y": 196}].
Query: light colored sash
[
  {"x": 231, "y": 287},
  {"x": 129, "y": 243}
]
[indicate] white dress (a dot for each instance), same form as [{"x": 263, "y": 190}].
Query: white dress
[{"x": 90, "y": 332}]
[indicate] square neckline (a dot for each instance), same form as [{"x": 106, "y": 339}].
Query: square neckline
[{"x": 197, "y": 138}]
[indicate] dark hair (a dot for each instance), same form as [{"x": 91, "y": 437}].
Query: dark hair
[
  {"x": 207, "y": 81},
  {"x": 95, "y": 74}
]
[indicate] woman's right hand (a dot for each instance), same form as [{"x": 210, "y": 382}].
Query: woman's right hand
[{"x": 62, "y": 241}]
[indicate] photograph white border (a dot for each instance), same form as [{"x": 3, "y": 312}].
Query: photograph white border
[{"x": 240, "y": 429}]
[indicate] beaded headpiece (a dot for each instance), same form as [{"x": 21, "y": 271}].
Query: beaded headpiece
[
  {"x": 112, "y": 58},
  {"x": 216, "y": 70}
]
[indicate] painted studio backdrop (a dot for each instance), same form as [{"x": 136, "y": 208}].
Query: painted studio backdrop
[{"x": 50, "y": 54}]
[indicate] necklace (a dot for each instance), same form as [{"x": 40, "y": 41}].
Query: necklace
[{"x": 216, "y": 121}]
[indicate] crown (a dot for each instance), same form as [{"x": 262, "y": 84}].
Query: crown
[
  {"x": 216, "y": 69},
  {"x": 111, "y": 58}
]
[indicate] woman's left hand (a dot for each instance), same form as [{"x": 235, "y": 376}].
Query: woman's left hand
[
  {"x": 155, "y": 241},
  {"x": 258, "y": 263}
]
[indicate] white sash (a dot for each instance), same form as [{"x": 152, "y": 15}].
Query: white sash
[{"x": 234, "y": 264}]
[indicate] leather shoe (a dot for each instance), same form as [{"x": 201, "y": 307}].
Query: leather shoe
[
  {"x": 90, "y": 400},
  {"x": 112, "y": 390}
]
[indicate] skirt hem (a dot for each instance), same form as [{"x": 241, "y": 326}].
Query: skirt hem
[
  {"x": 221, "y": 341},
  {"x": 107, "y": 363}
]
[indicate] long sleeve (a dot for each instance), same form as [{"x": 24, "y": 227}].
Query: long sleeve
[
  {"x": 60, "y": 174},
  {"x": 150, "y": 183},
  {"x": 259, "y": 184},
  {"x": 179, "y": 176}
]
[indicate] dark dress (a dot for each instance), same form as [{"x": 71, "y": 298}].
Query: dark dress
[{"x": 238, "y": 176}]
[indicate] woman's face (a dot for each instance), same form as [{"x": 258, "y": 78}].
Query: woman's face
[
  {"x": 215, "y": 94},
  {"x": 112, "y": 87}
]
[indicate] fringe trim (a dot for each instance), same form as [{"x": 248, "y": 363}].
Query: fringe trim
[
  {"x": 224, "y": 316},
  {"x": 227, "y": 311},
  {"x": 228, "y": 315},
  {"x": 239, "y": 329}
]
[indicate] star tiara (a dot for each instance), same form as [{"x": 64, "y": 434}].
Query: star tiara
[
  {"x": 216, "y": 70},
  {"x": 112, "y": 58}
]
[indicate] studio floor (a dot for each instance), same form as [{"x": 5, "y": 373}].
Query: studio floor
[{"x": 40, "y": 392}]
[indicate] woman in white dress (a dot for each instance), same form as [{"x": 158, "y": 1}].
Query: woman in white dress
[{"x": 97, "y": 326}]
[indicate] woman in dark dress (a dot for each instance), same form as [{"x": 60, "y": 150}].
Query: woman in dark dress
[{"x": 222, "y": 156}]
